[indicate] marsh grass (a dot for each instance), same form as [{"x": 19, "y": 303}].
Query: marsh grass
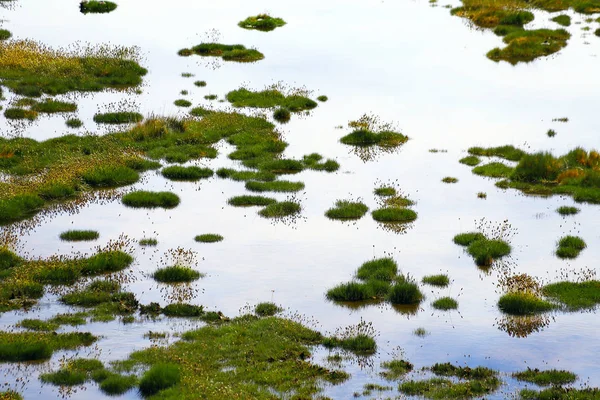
[
  {"x": 364, "y": 137},
  {"x": 280, "y": 209},
  {"x": 50, "y": 106},
  {"x": 570, "y": 247},
  {"x": 268, "y": 98},
  {"x": 483, "y": 250},
  {"x": 96, "y": 7},
  {"x": 178, "y": 173},
  {"x": 110, "y": 176},
  {"x": 78, "y": 236},
  {"x": 436, "y": 280},
  {"x": 385, "y": 191},
  {"x": 159, "y": 377},
  {"x": 267, "y": 309},
  {"x": 551, "y": 133},
  {"x": 183, "y": 310},
  {"x": 20, "y": 113},
  {"x": 247, "y": 201},
  {"x": 574, "y": 295},
  {"x": 566, "y": 210},
  {"x": 209, "y": 238},
  {"x": 182, "y": 103},
  {"x": 282, "y": 115},
  {"x": 405, "y": 291},
  {"x": 394, "y": 214},
  {"x": 145, "y": 199},
  {"x": 449, "y": 179},
  {"x": 34, "y": 346},
  {"x": 38, "y": 325},
  {"x": 445, "y": 303},
  {"x": 74, "y": 123},
  {"x": 470, "y": 160},
  {"x": 345, "y": 210},
  {"x": 261, "y": 22},
  {"x": 120, "y": 117},
  {"x": 274, "y": 186},
  {"x": 395, "y": 369},
  {"x": 5, "y": 34},
  {"x": 507, "y": 152},
  {"x": 526, "y": 46},
  {"x": 548, "y": 377},
  {"x": 322, "y": 98},
  {"x": 560, "y": 393},
  {"x": 562, "y": 19},
  {"x": 493, "y": 170},
  {"x": 176, "y": 274},
  {"x": 200, "y": 83},
  {"x": 522, "y": 303},
  {"x": 247, "y": 175},
  {"x": 236, "y": 52},
  {"x": 315, "y": 162}
]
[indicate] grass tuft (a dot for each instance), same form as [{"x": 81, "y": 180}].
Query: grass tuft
[
  {"x": 123, "y": 117},
  {"x": 267, "y": 309},
  {"x": 159, "y": 377},
  {"x": 274, "y": 186},
  {"x": 247, "y": 201},
  {"x": 261, "y": 22},
  {"x": 548, "y": 377},
  {"x": 574, "y": 295},
  {"x": 96, "y": 7},
  {"x": 566, "y": 210},
  {"x": 437, "y": 280},
  {"x": 176, "y": 274},
  {"x": 74, "y": 123},
  {"x": 269, "y": 98},
  {"x": 144, "y": 199},
  {"x": 445, "y": 303},
  {"x": 178, "y": 173},
  {"x": 236, "y": 52},
  {"x": 280, "y": 209},
  {"x": 394, "y": 214},
  {"x": 570, "y": 247},
  {"x": 405, "y": 291},
  {"x": 522, "y": 303},
  {"x": 345, "y": 210},
  {"x": 78, "y": 236},
  {"x": 208, "y": 238}
]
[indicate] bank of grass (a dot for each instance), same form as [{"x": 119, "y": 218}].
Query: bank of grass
[
  {"x": 30, "y": 68},
  {"x": 439, "y": 280},
  {"x": 261, "y": 22},
  {"x": 20, "y": 114},
  {"x": 574, "y": 296},
  {"x": 145, "y": 199},
  {"x": 178, "y": 173},
  {"x": 37, "y": 346},
  {"x": 209, "y": 238},
  {"x": 79, "y": 236},
  {"x": 235, "y": 52},
  {"x": 248, "y": 201},
  {"x": 445, "y": 303},
  {"x": 118, "y": 117},
  {"x": 268, "y": 98},
  {"x": 483, "y": 250},
  {"x": 570, "y": 246},
  {"x": 274, "y": 186},
  {"x": 346, "y": 210},
  {"x": 469, "y": 386},
  {"x": 96, "y": 7},
  {"x": 176, "y": 274},
  {"x": 548, "y": 377},
  {"x": 280, "y": 209}
]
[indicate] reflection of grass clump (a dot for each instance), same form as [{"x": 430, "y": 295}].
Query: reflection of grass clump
[
  {"x": 483, "y": 250},
  {"x": 546, "y": 378},
  {"x": 208, "y": 238},
  {"x": 437, "y": 280},
  {"x": 394, "y": 214},
  {"x": 280, "y": 209},
  {"x": 246, "y": 201},
  {"x": 270, "y": 97},
  {"x": 96, "y": 7},
  {"x": 574, "y": 295},
  {"x": 347, "y": 210},
  {"x": 122, "y": 117},
  {"x": 176, "y": 274},
  {"x": 261, "y": 22},
  {"x": 566, "y": 210},
  {"x": 570, "y": 247},
  {"x": 445, "y": 303},
  {"x": 77, "y": 236},
  {"x": 236, "y": 52},
  {"x": 267, "y": 309},
  {"x": 178, "y": 173},
  {"x": 144, "y": 199}
]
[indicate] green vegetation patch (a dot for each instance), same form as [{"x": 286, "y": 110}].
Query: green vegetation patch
[
  {"x": 148, "y": 242},
  {"x": 562, "y": 19},
  {"x": 120, "y": 117},
  {"x": 247, "y": 201},
  {"x": 178, "y": 173},
  {"x": 315, "y": 162},
  {"x": 493, "y": 170},
  {"x": 385, "y": 191},
  {"x": 235, "y": 52},
  {"x": 261, "y": 22},
  {"x": 176, "y": 274},
  {"x": 182, "y": 103},
  {"x": 364, "y": 137},
  {"x": 38, "y": 325},
  {"x": 548, "y": 377},
  {"x": 282, "y": 115},
  {"x": 78, "y": 236},
  {"x": 144, "y": 199},
  {"x": 29, "y": 68},
  {"x": 50, "y": 106},
  {"x": 559, "y": 393},
  {"x": 437, "y": 280},
  {"x": 345, "y": 209},
  {"x": 526, "y": 46},
  {"x": 208, "y": 238},
  {"x": 449, "y": 179},
  {"x": 246, "y": 175},
  {"x": 267, "y": 309},
  {"x": 159, "y": 377},
  {"x": 523, "y": 303},
  {"x": 566, "y": 210},
  {"x": 574, "y": 295},
  {"x": 274, "y": 186},
  {"x": 483, "y": 250},
  {"x": 570, "y": 247},
  {"x": 9, "y": 394},
  {"x": 74, "y": 123},
  {"x": 96, "y": 7},
  {"x": 280, "y": 209},
  {"x": 5, "y": 34},
  {"x": 34, "y": 346},
  {"x": 268, "y": 98},
  {"x": 445, "y": 303},
  {"x": 508, "y": 152},
  {"x": 395, "y": 369},
  {"x": 470, "y": 160},
  {"x": 20, "y": 113},
  {"x": 394, "y": 214},
  {"x": 405, "y": 292}
]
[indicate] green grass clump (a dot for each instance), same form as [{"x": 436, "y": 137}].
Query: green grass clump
[
  {"x": 74, "y": 123},
  {"x": 148, "y": 242},
  {"x": 159, "y": 377},
  {"x": 247, "y": 201},
  {"x": 395, "y": 369},
  {"x": 106, "y": 261},
  {"x": 280, "y": 209},
  {"x": 570, "y": 247},
  {"x": 470, "y": 160},
  {"x": 562, "y": 19},
  {"x": 448, "y": 369},
  {"x": 493, "y": 170},
  {"x": 211, "y": 97},
  {"x": 110, "y": 176},
  {"x": 526, "y": 46},
  {"x": 38, "y": 325},
  {"x": 78, "y": 236},
  {"x": 116, "y": 384},
  {"x": 235, "y": 52},
  {"x": 208, "y": 238},
  {"x": 275, "y": 186},
  {"x": 574, "y": 295},
  {"x": 33, "y": 346},
  {"x": 551, "y": 133},
  {"x": 385, "y": 191},
  {"x": 261, "y": 22},
  {"x": 485, "y": 251},
  {"x": 559, "y": 393},
  {"x": 437, "y": 280},
  {"x": 178, "y": 173},
  {"x": 449, "y": 179},
  {"x": 352, "y": 291},
  {"x": 445, "y": 303},
  {"x": 200, "y": 83},
  {"x": 365, "y": 137},
  {"x": 381, "y": 269},
  {"x": 9, "y": 394},
  {"x": 597, "y": 32},
  {"x": 69, "y": 319},
  {"x": 123, "y": 117},
  {"x": 176, "y": 274},
  {"x": 269, "y": 98},
  {"x": 282, "y": 115},
  {"x": 144, "y": 199},
  {"x": 281, "y": 166},
  {"x": 548, "y": 377},
  {"x": 182, "y": 103},
  {"x": 20, "y": 113},
  {"x": 5, "y": 34},
  {"x": 522, "y": 303},
  {"x": 359, "y": 344},
  {"x": 64, "y": 377},
  {"x": 96, "y": 7},
  {"x": 566, "y": 210},
  {"x": 315, "y": 162},
  {"x": 50, "y": 106},
  {"x": 248, "y": 175},
  {"x": 267, "y": 309},
  {"x": 394, "y": 214},
  {"x": 322, "y": 98},
  {"x": 405, "y": 291},
  {"x": 183, "y": 310},
  {"x": 465, "y": 239},
  {"x": 345, "y": 209},
  {"x": 509, "y": 152}
]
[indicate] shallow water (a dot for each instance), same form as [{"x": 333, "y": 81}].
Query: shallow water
[{"x": 407, "y": 62}]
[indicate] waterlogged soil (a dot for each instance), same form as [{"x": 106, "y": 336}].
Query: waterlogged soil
[{"x": 412, "y": 65}]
